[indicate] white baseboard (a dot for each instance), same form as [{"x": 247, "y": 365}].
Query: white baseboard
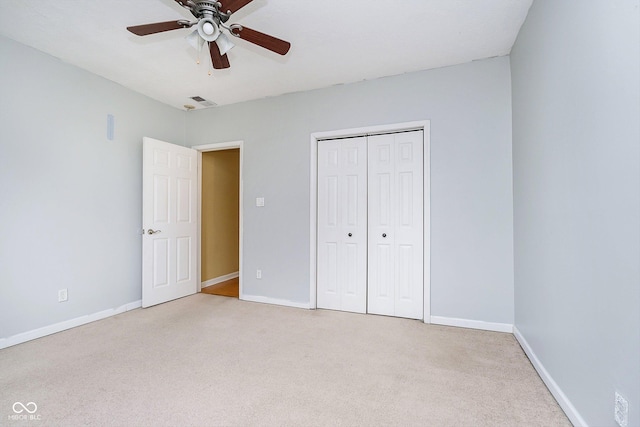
[
  {"x": 266, "y": 300},
  {"x": 564, "y": 402},
  {"x": 220, "y": 279},
  {"x": 67, "y": 324},
  {"x": 472, "y": 324}
]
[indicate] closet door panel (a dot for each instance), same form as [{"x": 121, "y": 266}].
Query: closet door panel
[
  {"x": 381, "y": 213},
  {"x": 342, "y": 225},
  {"x": 328, "y": 222},
  {"x": 409, "y": 228},
  {"x": 396, "y": 225}
]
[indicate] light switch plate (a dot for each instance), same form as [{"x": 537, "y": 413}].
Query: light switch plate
[{"x": 260, "y": 201}]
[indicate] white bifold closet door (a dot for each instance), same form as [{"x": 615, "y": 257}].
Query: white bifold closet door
[
  {"x": 370, "y": 224},
  {"x": 342, "y": 225},
  {"x": 395, "y": 216}
]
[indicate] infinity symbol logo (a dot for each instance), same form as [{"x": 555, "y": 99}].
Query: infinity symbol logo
[{"x": 20, "y": 407}]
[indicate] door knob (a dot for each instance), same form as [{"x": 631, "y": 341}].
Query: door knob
[
  {"x": 349, "y": 234},
  {"x": 153, "y": 231},
  {"x": 384, "y": 234}
]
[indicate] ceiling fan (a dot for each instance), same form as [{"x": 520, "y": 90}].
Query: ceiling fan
[{"x": 211, "y": 21}]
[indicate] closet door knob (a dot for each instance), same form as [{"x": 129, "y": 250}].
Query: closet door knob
[
  {"x": 384, "y": 234},
  {"x": 349, "y": 234}
]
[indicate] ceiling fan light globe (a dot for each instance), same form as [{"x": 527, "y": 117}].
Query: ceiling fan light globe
[{"x": 208, "y": 29}]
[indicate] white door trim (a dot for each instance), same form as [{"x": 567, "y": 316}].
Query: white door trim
[
  {"x": 218, "y": 147},
  {"x": 425, "y": 126}
]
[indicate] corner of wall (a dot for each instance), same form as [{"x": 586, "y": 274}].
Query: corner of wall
[{"x": 562, "y": 399}]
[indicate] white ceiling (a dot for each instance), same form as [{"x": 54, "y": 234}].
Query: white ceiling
[{"x": 333, "y": 42}]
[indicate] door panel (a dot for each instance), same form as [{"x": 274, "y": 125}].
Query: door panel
[
  {"x": 396, "y": 224},
  {"x": 183, "y": 259},
  {"x": 342, "y": 225},
  {"x": 381, "y": 214},
  {"x": 168, "y": 207},
  {"x": 352, "y": 273},
  {"x": 160, "y": 263},
  {"x": 332, "y": 201},
  {"x": 405, "y": 268},
  {"x": 331, "y": 259},
  {"x": 383, "y": 198},
  {"x": 409, "y": 227},
  {"x": 353, "y": 207},
  {"x": 160, "y": 199},
  {"x": 184, "y": 213},
  {"x": 381, "y": 279}
]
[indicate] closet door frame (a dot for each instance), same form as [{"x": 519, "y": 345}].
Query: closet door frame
[{"x": 423, "y": 125}]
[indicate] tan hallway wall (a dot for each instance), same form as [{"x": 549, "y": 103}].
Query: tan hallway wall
[{"x": 220, "y": 214}]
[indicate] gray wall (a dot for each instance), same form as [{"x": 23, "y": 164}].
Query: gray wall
[
  {"x": 471, "y": 193},
  {"x": 70, "y": 201},
  {"x": 576, "y": 161}
]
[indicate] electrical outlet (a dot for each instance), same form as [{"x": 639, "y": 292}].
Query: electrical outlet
[
  {"x": 621, "y": 413},
  {"x": 62, "y": 295},
  {"x": 258, "y": 274}
]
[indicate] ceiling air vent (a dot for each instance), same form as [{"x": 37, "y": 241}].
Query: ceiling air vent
[{"x": 203, "y": 101}]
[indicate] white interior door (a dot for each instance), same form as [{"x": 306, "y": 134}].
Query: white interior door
[
  {"x": 169, "y": 218},
  {"x": 342, "y": 225},
  {"x": 395, "y": 219}
]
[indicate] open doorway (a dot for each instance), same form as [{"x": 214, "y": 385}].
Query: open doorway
[{"x": 220, "y": 219}]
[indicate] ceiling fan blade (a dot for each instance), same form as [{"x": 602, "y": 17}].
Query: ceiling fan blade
[
  {"x": 158, "y": 27},
  {"x": 232, "y": 5},
  {"x": 261, "y": 39},
  {"x": 219, "y": 61}
]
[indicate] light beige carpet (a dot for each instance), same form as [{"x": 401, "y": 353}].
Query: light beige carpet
[{"x": 207, "y": 360}]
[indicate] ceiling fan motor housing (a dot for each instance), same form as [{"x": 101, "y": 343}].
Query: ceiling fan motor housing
[{"x": 205, "y": 7}]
